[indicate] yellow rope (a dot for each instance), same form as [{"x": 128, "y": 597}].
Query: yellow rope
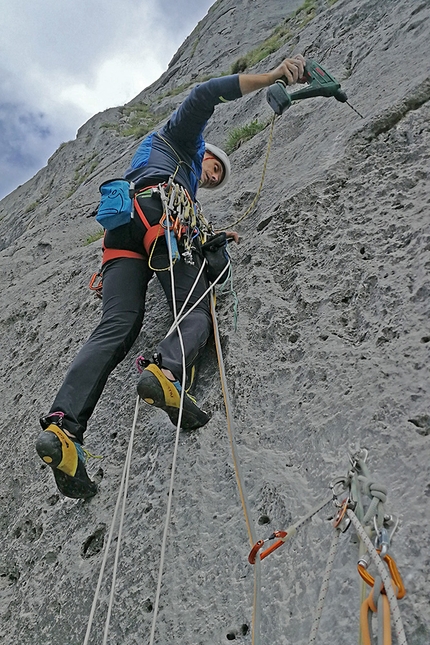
[
  {"x": 251, "y": 535},
  {"x": 152, "y": 253},
  {"x": 263, "y": 174},
  {"x": 256, "y": 619}
]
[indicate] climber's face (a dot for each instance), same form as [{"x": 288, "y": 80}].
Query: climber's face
[{"x": 212, "y": 171}]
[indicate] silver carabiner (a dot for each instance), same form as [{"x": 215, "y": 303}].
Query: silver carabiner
[
  {"x": 335, "y": 484},
  {"x": 382, "y": 539}
]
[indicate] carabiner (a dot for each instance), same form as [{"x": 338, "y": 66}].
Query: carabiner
[
  {"x": 260, "y": 543},
  {"x": 382, "y": 539},
  {"x": 342, "y": 522},
  {"x": 395, "y": 575},
  {"x": 339, "y": 486},
  {"x": 96, "y": 284},
  {"x": 360, "y": 455}
]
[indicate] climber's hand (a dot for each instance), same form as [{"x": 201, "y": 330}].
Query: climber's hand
[
  {"x": 292, "y": 69},
  {"x": 233, "y": 236}
]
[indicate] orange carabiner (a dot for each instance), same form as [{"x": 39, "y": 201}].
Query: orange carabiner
[
  {"x": 96, "y": 284},
  {"x": 341, "y": 513},
  {"x": 258, "y": 545},
  {"x": 176, "y": 227},
  {"x": 395, "y": 575}
]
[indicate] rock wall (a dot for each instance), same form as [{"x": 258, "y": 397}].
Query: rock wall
[{"x": 330, "y": 353}]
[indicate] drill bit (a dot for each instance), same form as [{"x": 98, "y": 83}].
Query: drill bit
[{"x": 353, "y": 108}]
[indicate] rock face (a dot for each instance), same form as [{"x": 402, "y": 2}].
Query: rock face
[{"x": 330, "y": 353}]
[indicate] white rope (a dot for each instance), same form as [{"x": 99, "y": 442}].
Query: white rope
[
  {"x": 122, "y": 494},
  {"x": 324, "y": 587},
  {"x": 177, "y": 318},
  {"x": 175, "y": 453},
  {"x": 180, "y": 318},
  {"x": 383, "y": 572}
]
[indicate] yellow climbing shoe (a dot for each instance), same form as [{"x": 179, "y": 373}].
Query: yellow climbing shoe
[
  {"x": 67, "y": 460},
  {"x": 156, "y": 389}
]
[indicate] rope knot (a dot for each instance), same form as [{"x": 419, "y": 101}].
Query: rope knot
[{"x": 373, "y": 489}]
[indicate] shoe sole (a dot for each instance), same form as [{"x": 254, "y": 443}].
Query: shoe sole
[
  {"x": 58, "y": 451},
  {"x": 151, "y": 391}
]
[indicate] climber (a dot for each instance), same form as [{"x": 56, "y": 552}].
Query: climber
[{"x": 177, "y": 153}]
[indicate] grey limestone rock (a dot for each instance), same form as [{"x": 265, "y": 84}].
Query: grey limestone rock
[{"x": 331, "y": 350}]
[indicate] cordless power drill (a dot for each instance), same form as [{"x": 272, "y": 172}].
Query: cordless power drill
[{"x": 319, "y": 83}]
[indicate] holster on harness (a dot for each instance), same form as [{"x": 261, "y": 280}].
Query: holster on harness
[{"x": 216, "y": 255}]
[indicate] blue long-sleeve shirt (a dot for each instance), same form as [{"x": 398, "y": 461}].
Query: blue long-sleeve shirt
[{"x": 157, "y": 157}]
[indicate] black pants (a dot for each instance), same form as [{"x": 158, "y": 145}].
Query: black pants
[{"x": 125, "y": 282}]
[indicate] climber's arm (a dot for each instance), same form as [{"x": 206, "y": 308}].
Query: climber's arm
[
  {"x": 187, "y": 123},
  {"x": 291, "y": 68}
]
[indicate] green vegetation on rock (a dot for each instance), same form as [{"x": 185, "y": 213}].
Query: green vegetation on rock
[
  {"x": 31, "y": 207},
  {"x": 239, "y": 135},
  {"x": 140, "y": 119},
  {"x": 283, "y": 33},
  {"x": 83, "y": 170},
  {"x": 94, "y": 237}
]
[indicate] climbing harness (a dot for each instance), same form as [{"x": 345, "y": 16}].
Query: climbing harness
[
  {"x": 184, "y": 227},
  {"x": 185, "y": 230}
]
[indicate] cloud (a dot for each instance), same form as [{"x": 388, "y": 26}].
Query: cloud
[
  {"x": 23, "y": 135},
  {"x": 62, "y": 62}
]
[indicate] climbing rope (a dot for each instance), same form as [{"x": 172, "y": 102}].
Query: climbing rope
[
  {"x": 263, "y": 175},
  {"x": 175, "y": 452},
  {"x": 122, "y": 495},
  {"x": 181, "y": 317},
  {"x": 385, "y": 577},
  {"x": 324, "y": 587},
  {"x": 256, "y": 618}
]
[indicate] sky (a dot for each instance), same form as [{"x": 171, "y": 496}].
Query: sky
[{"x": 62, "y": 61}]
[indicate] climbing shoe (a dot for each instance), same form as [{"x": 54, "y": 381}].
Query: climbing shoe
[
  {"x": 67, "y": 460},
  {"x": 156, "y": 389}
]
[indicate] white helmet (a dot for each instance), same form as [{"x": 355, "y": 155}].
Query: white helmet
[{"x": 222, "y": 156}]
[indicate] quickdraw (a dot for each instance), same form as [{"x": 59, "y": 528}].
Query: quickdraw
[
  {"x": 282, "y": 536},
  {"x": 258, "y": 545}
]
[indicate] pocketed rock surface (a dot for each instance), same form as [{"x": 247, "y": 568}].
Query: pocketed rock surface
[{"x": 330, "y": 354}]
